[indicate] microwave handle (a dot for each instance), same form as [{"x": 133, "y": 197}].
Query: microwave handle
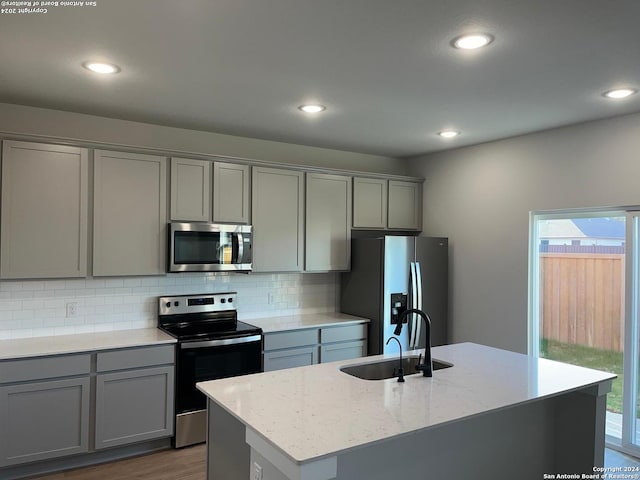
[{"x": 240, "y": 248}]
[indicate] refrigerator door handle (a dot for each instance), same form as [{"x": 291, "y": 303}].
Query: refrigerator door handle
[
  {"x": 418, "y": 302},
  {"x": 414, "y": 304}
]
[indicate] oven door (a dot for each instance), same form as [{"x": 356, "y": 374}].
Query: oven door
[
  {"x": 206, "y": 247},
  {"x": 210, "y": 360}
]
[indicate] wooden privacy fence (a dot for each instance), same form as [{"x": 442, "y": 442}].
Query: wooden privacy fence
[{"x": 582, "y": 299}]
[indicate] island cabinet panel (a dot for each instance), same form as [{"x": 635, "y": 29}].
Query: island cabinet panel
[
  {"x": 44, "y": 190},
  {"x": 44, "y": 408},
  {"x": 190, "y": 190},
  {"x": 370, "y": 203},
  {"x": 231, "y": 187},
  {"x": 145, "y": 374},
  {"x": 328, "y": 223},
  {"x": 405, "y": 205},
  {"x": 130, "y": 214},
  {"x": 277, "y": 214}
]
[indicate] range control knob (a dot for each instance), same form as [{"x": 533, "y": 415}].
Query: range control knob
[
  {"x": 230, "y": 300},
  {"x": 168, "y": 304},
  {"x": 176, "y": 304},
  {"x": 222, "y": 300}
]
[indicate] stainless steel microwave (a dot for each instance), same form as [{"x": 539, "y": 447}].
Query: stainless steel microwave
[{"x": 208, "y": 247}]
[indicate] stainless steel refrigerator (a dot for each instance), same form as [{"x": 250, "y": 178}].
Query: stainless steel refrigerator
[{"x": 392, "y": 273}]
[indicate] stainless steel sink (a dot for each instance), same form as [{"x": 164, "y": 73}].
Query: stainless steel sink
[{"x": 388, "y": 368}]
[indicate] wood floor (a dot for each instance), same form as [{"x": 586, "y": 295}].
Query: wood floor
[{"x": 183, "y": 464}]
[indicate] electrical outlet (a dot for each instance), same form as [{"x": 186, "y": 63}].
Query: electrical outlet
[
  {"x": 257, "y": 471},
  {"x": 72, "y": 309}
]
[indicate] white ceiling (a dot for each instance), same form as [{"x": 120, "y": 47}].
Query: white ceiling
[{"x": 384, "y": 68}]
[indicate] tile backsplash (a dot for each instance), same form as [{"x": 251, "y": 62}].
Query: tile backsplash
[{"x": 33, "y": 308}]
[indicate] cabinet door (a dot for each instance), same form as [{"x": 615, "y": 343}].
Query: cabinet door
[
  {"x": 230, "y": 193},
  {"x": 43, "y": 420},
  {"x": 290, "y": 358},
  {"x": 190, "y": 190},
  {"x": 328, "y": 223},
  {"x": 277, "y": 212},
  {"x": 130, "y": 214},
  {"x": 405, "y": 205},
  {"x": 334, "y": 352},
  {"x": 44, "y": 211},
  {"x": 369, "y": 203},
  {"x": 134, "y": 405}
]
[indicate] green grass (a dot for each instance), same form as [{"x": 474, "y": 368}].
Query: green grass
[{"x": 605, "y": 360}]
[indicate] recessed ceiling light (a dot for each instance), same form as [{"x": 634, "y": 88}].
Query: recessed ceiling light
[
  {"x": 471, "y": 42},
  {"x": 620, "y": 93},
  {"x": 449, "y": 133},
  {"x": 99, "y": 67},
  {"x": 312, "y": 108}
]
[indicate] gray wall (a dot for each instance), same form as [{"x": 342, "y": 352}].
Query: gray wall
[
  {"x": 22, "y": 120},
  {"x": 481, "y": 196}
]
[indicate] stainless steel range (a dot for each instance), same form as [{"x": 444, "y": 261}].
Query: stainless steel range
[{"x": 212, "y": 344}]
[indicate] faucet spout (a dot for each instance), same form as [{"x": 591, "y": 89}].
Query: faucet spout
[
  {"x": 427, "y": 366},
  {"x": 400, "y": 370}
]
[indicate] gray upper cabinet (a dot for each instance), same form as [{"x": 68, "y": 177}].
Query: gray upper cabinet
[
  {"x": 277, "y": 213},
  {"x": 328, "y": 222},
  {"x": 370, "y": 203},
  {"x": 405, "y": 205},
  {"x": 130, "y": 214},
  {"x": 190, "y": 190},
  {"x": 231, "y": 187},
  {"x": 44, "y": 211}
]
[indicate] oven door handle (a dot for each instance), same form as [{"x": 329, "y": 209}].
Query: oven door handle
[{"x": 221, "y": 343}]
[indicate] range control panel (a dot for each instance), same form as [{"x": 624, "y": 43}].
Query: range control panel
[
  {"x": 207, "y": 302},
  {"x": 398, "y": 305}
]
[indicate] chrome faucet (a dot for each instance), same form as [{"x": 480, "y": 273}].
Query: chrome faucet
[
  {"x": 427, "y": 366},
  {"x": 400, "y": 370}
]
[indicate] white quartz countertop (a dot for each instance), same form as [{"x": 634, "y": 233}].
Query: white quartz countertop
[
  {"x": 312, "y": 412},
  {"x": 81, "y": 342},
  {"x": 309, "y": 320}
]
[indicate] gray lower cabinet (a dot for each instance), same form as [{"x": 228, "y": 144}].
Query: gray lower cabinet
[
  {"x": 308, "y": 346},
  {"x": 343, "y": 351},
  {"x": 290, "y": 358},
  {"x": 343, "y": 342},
  {"x": 41, "y": 417},
  {"x": 50, "y": 406},
  {"x": 145, "y": 374},
  {"x": 132, "y": 406}
]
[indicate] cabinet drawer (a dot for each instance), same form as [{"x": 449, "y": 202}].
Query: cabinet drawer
[
  {"x": 44, "y": 367},
  {"x": 294, "y": 338},
  {"x": 135, "y": 358},
  {"x": 339, "y": 334},
  {"x": 290, "y": 358},
  {"x": 342, "y": 351}
]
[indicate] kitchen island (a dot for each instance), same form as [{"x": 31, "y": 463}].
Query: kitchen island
[{"x": 493, "y": 415}]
